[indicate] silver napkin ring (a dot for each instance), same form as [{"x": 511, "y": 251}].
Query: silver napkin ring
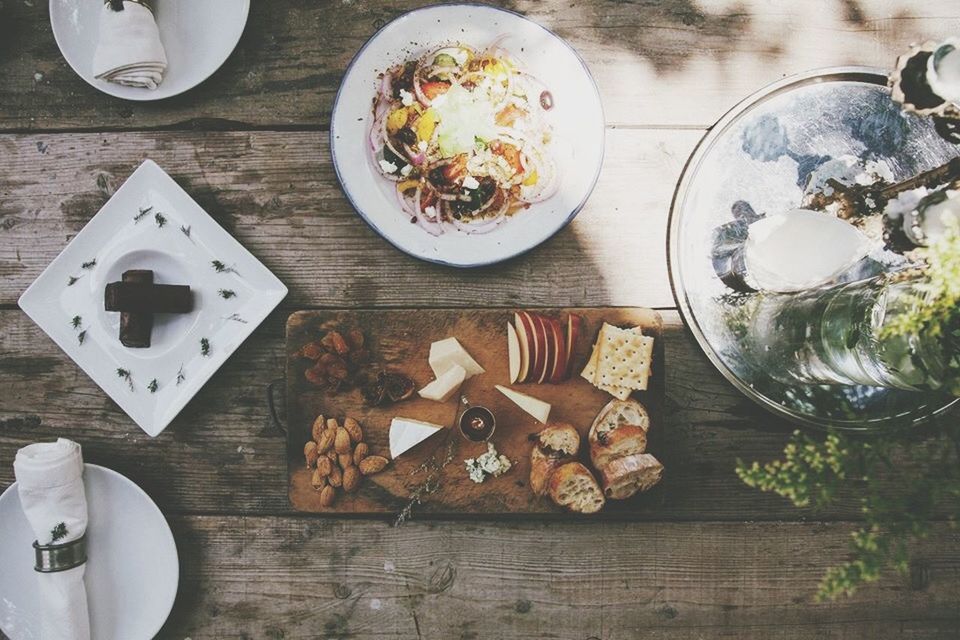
[
  {"x": 52, "y": 558},
  {"x": 117, "y": 5}
]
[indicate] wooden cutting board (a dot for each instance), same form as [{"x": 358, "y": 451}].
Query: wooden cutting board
[{"x": 400, "y": 340}]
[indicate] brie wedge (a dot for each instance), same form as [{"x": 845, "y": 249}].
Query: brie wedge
[
  {"x": 537, "y": 408},
  {"x": 406, "y": 434},
  {"x": 444, "y": 354},
  {"x": 446, "y": 385}
]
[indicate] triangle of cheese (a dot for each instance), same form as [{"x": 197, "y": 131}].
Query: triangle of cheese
[
  {"x": 537, "y": 408},
  {"x": 446, "y": 385},
  {"x": 406, "y": 434},
  {"x": 444, "y": 354}
]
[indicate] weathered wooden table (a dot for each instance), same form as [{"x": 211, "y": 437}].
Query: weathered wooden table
[{"x": 714, "y": 559}]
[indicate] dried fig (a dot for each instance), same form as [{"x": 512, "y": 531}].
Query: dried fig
[{"x": 372, "y": 464}]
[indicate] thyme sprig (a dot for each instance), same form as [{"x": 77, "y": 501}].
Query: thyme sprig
[
  {"x": 431, "y": 483},
  {"x": 142, "y": 213}
]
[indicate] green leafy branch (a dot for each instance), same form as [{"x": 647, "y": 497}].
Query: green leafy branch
[{"x": 903, "y": 485}]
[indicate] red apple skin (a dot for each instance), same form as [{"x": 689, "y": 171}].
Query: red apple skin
[
  {"x": 574, "y": 329},
  {"x": 544, "y": 349},
  {"x": 559, "y": 342},
  {"x": 535, "y": 354}
]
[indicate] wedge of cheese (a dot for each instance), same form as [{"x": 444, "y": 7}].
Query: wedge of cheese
[
  {"x": 444, "y": 354},
  {"x": 406, "y": 434},
  {"x": 446, "y": 385},
  {"x": 537, "y": 408}
]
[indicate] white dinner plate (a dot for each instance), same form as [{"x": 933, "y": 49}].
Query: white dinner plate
[
  {"x": 576, "y": 118},
  {"x": 198, "y": 36},
  {"x": 181, "y": 250},
  {"x": 132, "y": 564}
]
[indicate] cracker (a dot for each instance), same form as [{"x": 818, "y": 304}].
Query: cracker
[{"x": 624, "y": 358}]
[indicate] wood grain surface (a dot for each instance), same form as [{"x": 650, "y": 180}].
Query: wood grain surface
[
  {"x": 710, "y": 559},
  {"x": 400, "y": 341}
]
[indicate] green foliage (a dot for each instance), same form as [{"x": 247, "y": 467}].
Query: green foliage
[
  {"x": 902, "y": 484},
  {"x": 935, "y": 308}
]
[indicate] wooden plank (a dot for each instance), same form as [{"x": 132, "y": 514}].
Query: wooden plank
[
  {"x": 399, "y": 341},
  {"x": 671, "y": 62},
  {"x": 222, "y": 456},
  {"x": 277, "y": 193},
  {"x": 308, "y": 578}
]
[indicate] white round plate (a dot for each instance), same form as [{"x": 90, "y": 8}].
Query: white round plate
[
  {"x": 198, "y": 36},
  {"x": 577, "y": 121},
  {"x": 132, "y": 567}
]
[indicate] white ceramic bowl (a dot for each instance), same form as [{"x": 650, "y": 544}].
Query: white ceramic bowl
[
  {"x": 577, "y": 121},
  {"x": 132, "y": 572},
  {"x": 198, "y": 36}
]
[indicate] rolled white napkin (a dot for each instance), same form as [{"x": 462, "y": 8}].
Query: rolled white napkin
[
  {"x": 50, "y": 483},
  {"x": 129, "y": 50}
]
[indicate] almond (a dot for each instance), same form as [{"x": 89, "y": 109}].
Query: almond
[
  {"x": 333, "y": 424},
  {"x": 324, "y": 466},
  {"x": 336, "y": 476},
  {"x": 345, "y": 460},
  {"x": 327, "y": 496},
  {"x": 372, "y": 464},
  {"x": 319, "y": 480},
  {"x": 326, "y": 441},
  {"x": 342, "y": 441},
  {"x": 351, "y": 478},
  {"x": 319, "y": 425},
  {"x": 361, "y": 451},
  {"x": 353, "y": 428},
  {"x": 310, "y": 453}
]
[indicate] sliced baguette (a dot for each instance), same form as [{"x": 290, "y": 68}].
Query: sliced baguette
[
  {"x": 623, "y": 477},
  {"x": 554, "y": 446},
  {"x": 617, "y": 413},
  {"x": 573, "y": 487}
]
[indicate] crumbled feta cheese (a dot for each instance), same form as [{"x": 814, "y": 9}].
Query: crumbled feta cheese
[
  {"x": 405, "y": 170},
  {"x": 406, "y": 98},
  {"x": 431, "y": 211},
  {"x": 387, "y": 166},
  {"x": 490, "y": 463},
  {"x": 470, "y": 183},
  {"x": 460, "y": 56},
  {"x": 422, "y": 145}
]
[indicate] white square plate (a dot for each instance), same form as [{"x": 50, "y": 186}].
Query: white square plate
[{"x": 181, "y": 250}]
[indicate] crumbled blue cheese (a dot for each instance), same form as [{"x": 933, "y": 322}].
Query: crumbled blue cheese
[
  {"x": 470, "y": 183},
  {"x": 406, "y": 98},
  {"x": 387, "y": 166},
  {"x": 490, "y": 463}
]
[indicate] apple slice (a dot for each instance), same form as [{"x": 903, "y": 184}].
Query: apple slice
[
  {"x": 574, "y": 329},
  {"x": 544, "y": 345},
  {"x": 558, "y": 338},
  {"x": 535, "y": 355},
  {"x": 514, "y": 353}
]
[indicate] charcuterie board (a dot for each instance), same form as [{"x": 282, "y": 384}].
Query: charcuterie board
[{"x": 400, "y": 341}]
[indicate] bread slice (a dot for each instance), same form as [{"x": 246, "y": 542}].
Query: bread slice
[
  {"x": 573, "y": 487},
  {"x": 623, "y": 477},
  {"x": 607, "y": 446},
  {"x": 554, "y": 446},
  {"x": 620, "y": 429}
]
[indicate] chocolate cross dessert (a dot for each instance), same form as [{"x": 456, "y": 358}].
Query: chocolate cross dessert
[{"x": 137, "y": 299}]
